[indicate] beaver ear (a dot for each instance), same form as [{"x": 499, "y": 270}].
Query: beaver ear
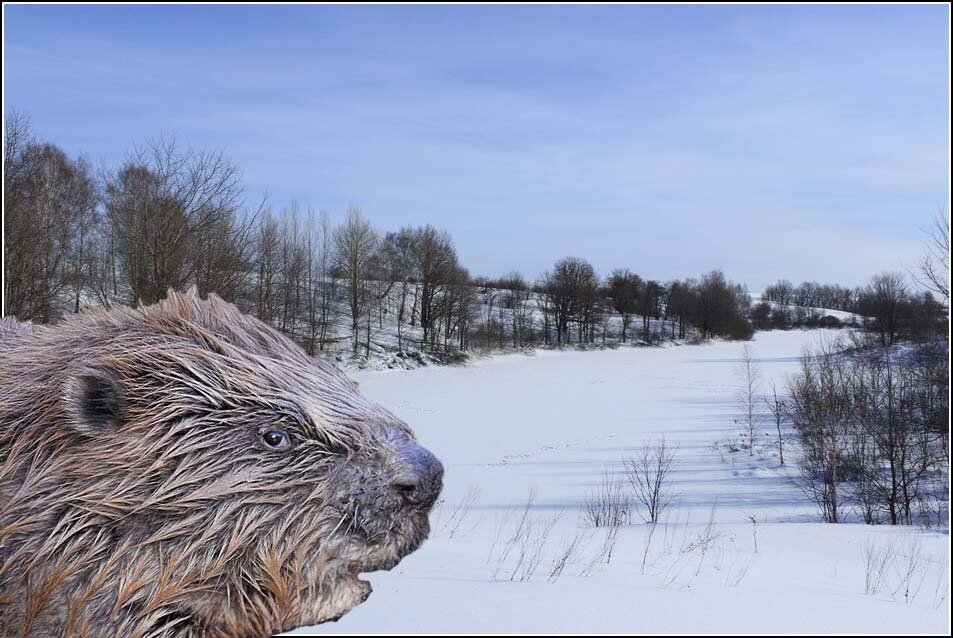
[{"x": 94, "y": 401}]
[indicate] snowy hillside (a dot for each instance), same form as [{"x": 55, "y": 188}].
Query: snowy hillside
[
  {"x": 848, "y": 318},
  {"x": 525, "y": 439},
  {"x": 384, "y": 345},
  {"x": 490, "y": 315}
]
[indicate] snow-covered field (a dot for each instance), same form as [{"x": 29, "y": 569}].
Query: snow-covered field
[{"x": 740, "y": 550}]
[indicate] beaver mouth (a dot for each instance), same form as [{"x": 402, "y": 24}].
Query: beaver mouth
[
  {"x": 365, "y": 548},
  {"x": 354, "y": 575},
  {"x": 349, "y": 592},
  {"x": 359, "y": 588},
  {"x": 355, "y": 569},
  {"x": 382, "y": 544}
]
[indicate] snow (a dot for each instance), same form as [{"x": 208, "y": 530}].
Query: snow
[{"x": 740, "y": 550}]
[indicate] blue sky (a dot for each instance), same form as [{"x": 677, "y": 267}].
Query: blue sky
[{"x": 807, "y": 142}]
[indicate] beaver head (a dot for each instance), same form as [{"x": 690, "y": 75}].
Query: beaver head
[{"x": 184, "y": 469}]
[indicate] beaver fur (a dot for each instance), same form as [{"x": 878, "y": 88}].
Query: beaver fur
[{"x": 183, "y": 469}]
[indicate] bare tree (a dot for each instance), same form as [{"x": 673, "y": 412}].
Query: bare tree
[
  {"x": 79, "y": 262},
  {"x": 650, "y": 475},
  {"x": 721, "y": 307},
  {"x": 435, "y": 265},
  {"x": 355, "y": 243},
  {"x": 397, "y": 262},
  {"x": 821, "y": 414},
  {"x": 223, "y": 254},
  {"x": 681, "y": 304},
  {"x": 749, "y": 377},
  {"x": 571, "y": 289},
  {"x": 101, "y": 269},
  {"x": 458, "y": 308},
  {"x": 266, "y": 257},
  {"x": 649, "y": 300},
  {"x": 934, "y": 268},
  {"x": 624, "y": 287},
  {"x": 317, "y": 248},
  {"x": 325, "y": 276},
  {"x": 883, "y": 302},
  {"x": 49, "y": 215},
  {"x": 608, "y": 505},
  {"x": 518, "y": 300},
  {"x": 781, "y": 292},
  {"x": 158, "y": 202},
  {"x": 293, "y": 268},
  {"x": 777, "y": 408}
]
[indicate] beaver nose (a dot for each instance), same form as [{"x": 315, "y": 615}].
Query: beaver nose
[{"x": 420, "y": 478}]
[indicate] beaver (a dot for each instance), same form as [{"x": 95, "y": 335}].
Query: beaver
[{"x": 183, "y": 469}]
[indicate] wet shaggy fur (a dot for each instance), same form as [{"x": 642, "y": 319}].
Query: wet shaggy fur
[
  {"x": 137, "y": 498},
  {"x": 10, "y": 330}
]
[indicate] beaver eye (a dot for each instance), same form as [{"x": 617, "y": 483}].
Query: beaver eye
[{"x": 275, "y": 439}]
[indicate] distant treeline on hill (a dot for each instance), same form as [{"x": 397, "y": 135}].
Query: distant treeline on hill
[
  {"x": 886, "y": 307},
  {"x": 173, "y": 217}
]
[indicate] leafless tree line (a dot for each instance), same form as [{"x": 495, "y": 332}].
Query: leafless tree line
[
  {"x": 165, "y": 218},
  {"x": 576, "y": 306},
  {"x": 889, "y": 308},
  {"x": 812, "y": 294},
  {"x": 50, "y": 206},
  {"x": 874, "y": 431},
  {"x": 171, "y": 216}
]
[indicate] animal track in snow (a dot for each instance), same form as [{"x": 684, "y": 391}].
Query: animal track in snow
[{"x": 546, "y": 448}]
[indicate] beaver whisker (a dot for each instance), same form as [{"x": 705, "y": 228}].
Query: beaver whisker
[
  {"x": 354, "y": 521},
  {"x": 331, "y": 535}
]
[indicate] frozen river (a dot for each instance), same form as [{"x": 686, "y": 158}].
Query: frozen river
[{"x": 740, "y": 549}]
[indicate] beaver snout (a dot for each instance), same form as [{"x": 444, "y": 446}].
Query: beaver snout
[{"x": 419, "y": 479}]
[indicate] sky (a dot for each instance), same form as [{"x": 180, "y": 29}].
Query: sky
[{"x": 806, "y": 142}]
